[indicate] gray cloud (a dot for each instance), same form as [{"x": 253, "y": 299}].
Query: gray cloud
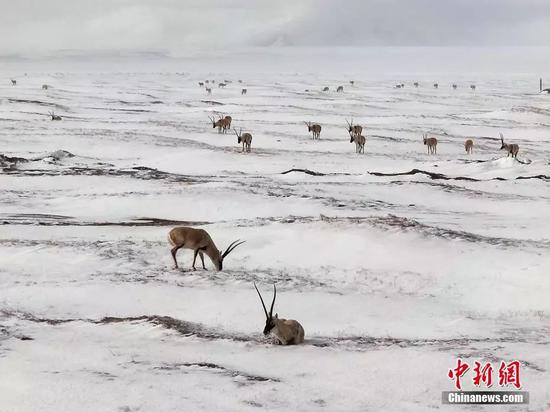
[{"x": 38, "y": 26}]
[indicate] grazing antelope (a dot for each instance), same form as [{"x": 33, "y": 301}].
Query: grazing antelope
[
  {"x": 243, "y": 91},
  {"x": 54, "y": 116},
  {"x": 208, "y": 90},
  {"x": 359, "y": 141},
  {"x": 340, "y": 89},
  {"x": 325, "y": 89},
  {"x": 512, "y": 149},
  {"x": 354, "y": 129},
  {"x": 436, "y": 85},
  {"x": 245, "y": 139},
  {"x": 201, "y": 84},
  {"x": 315, "y": 129},
  {"x": 201, "y": 243},
  {"x": 473, "y": 86},
  {"x": 221, "y": 124},
  {"x": 221, "y": 85},
  {"x": 469, "y": 146},
  {"x": 44, "y": 87},
  {"x": 13, "y": 82},
  {"x": 415, "y": 84},
  {"x": 398, "y": 86},
  {"x": 286, "y": 331},
  {"x": 431, "y": 142},
  {"x": 454, "y": 86}
]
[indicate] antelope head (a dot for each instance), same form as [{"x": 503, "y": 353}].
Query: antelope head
[
  {"x": 425, "y": 138},
  {"x": 270, "y": 321},
  {"x": 213, "y": 122},
  {"x": 218, "y": 261},
  {"x": 239, "y": 134},
  {"x": 504, "y": 145},
  {"x": 308, "y": 124}
]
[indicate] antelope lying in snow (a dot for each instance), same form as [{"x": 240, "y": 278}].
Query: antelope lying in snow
[
  {"x": 315, "y": 129},
  {"x": 512, "y": 149},
  {"x": 286, "y": 331},
  {"x": 469, "y": 146},
  {"x": 201, "y": 243},
  {"x": 245, "y": 139},
  {"x": 356, "y": 130},
  {"x": 431, "y": 142},
  {"x": 359, "y": 141},
  {"x": 54, "y": 116}
]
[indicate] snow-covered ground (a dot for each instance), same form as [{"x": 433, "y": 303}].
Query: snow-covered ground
[{"x": 392, "y": 275}]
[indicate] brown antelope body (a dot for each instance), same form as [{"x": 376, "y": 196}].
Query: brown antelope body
[
  {"x": 44, "y": 87},
  {"x": 325, "y": 89},
  {"x": 315, "y": 129},
  {"x": 286, "y": 331},
  {"x": 227, "y": 125},
  {"x": 13, "y": 82},
  {"x": 201, "y": 243},
  {"x": 512, "y": 149},
  {"x": 245, "y": 139},
  {"x": 431, "y": 142},
  {"x": 359, "y": 141},
  {"x": 469, "y": 146},
  {"x": 340, "y": 89},
  {"x": 244, "y": 91},
  {"x": 354, "y": 129},
  {"x": 436, "y": 85},
  {"x": 223, "y": 123}
]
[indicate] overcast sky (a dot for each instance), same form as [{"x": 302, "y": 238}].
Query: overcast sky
[{"x": 42, "y": 26}]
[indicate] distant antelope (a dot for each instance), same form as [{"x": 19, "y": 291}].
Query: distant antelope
[
  {"x": 208, "y": 90},
  {"x": 201, "y": 243},
  {"x": 315, "y": 129},
  {"x": 240, "y": 81},
  {"x": 431, "y": 142},
  {"x": 469, "y": 146},
  {"x": 415, "y": 84},
  {"x": 354, "y": 129},
  {"x": 512, "y": 149},
  {"x": 207, "y": 81},
  {"x": 352, "y": 82},
  {"x": 44, "y": 87},
  {"x": 398, "y": 86},
  {"x": 436, "y": 85},
  {"x": 221, "y": 85},
  {"x": 325, "y": 89},
  {"x": 286, "y": 331},
  {"x": 340, "y": 89},
  {"x": 221, "y": 124},
  {"x": 243, "y": 91},
  {"x": 13, "y": 82},
  {"x": 473, "y": 86},
  {"x": 454, "y": 86},
  {"x": 201, "y": 84},
  {"x": 245, "y": 139},
  {"x": 54, "y": 116},
  {"x": 359, "y": 141}
]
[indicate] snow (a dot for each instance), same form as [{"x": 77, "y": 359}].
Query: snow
[{"x": 392, "y": 275}]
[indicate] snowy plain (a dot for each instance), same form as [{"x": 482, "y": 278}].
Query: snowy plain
[{"x": 392, "y": 275}]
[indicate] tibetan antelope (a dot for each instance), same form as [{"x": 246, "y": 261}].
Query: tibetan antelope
[
  {"x": 221, "y": 85},
  {"x": 54, "y": 116},
  {"x": 431, "y": 142},
  {"x": 315, "y": 129},
  {"x": 454, "y": 86},
  {"x": 286, "y": 331},
  {"x": 243, "y": 91},
  {"x": 356, "y": 130},
  {"x": 398, "y": 86},
  {"x": 436, "y": 85},
  {"x": 207, "y": 81},
  {"x": 469, "y": 146},
  {"x": 208, "y": 90},
  {"x": 359, "y": 141},
  {"x": 340, "y": 89},
  {"x": 201, "y": 243},
  {"x": 44, "y": 87},
  {"x": 325, "y": 89},
  {"x": 415, "y": 84},
  {"x": 512, "y": 149},
  {"x": 473, "y": 86},
  {"x": 245, "y": 139},
  {"x": 240, "y": 81},
  {"x": 201, "y": 84},
  {"x": 352, "y": 82},
  {"x": 228, "y": 120},
  {"x": 221, "y": 123},
  {"x": 13, "y": 82}
]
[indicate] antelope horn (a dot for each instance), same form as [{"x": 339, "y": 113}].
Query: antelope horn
[
  {"x": 273, "y": 303},
  {"x": 263, "y": 304},
  {"x": 235, "y": 130},
  {"x": 501, "y": 137},
  {"x": 349, "y": 125},
  {"x": 232, "y": 246}
]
